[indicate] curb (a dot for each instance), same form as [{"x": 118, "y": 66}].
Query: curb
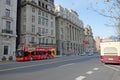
[{"x": 7, "y": 61}]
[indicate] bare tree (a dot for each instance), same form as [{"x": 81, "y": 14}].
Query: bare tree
[{"x": 110, "y": 10}]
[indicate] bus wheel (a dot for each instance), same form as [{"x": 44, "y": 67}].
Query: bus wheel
[{"x": 31, "y": 58}]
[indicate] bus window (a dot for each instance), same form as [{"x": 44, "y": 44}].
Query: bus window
[
  {"x": 26, "y": 53},
  {"x": 37, "y": 53},
  {"x": 33, "y": 53}
]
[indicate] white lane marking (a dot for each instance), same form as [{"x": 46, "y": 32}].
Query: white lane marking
[
  {"x": 67, "y": 65},
  {"x": 112, "y": 68},
  {"x": 80, "y": 78},
  {"x": 95, "y": 69},
  {"x": 117, "y": 66},
  {"x": 89, "y": 72}
]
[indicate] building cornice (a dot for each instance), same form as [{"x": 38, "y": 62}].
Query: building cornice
[{"x": 35, "y": 5}]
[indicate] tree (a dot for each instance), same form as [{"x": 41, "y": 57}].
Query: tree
[{"x": 109, "y": 9}]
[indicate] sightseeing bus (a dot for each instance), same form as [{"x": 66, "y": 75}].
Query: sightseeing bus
[
  {"x": 110, "y": 51},
  {"x": 38, "y": 53}
]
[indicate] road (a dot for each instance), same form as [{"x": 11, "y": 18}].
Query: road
[{"x": 61, "y": 68}]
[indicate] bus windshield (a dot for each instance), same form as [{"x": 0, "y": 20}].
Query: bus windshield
[{"x": 19, "y": 53}]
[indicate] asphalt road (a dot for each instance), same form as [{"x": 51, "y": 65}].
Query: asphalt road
[{"x": 60, "y": 68}]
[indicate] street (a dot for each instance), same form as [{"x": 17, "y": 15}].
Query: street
[{"x": 73, "y": 67}]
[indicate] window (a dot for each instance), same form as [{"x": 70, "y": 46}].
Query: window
[
  {"x": 46, "y": 15},
  {"x": 51, "y": 17},
  {"x": 24, "y": 18},
  {"x": 39, "y": 12},
  {"x": 42, "y": 5},
  {"x": 8, "y": 24},
  {"x": 33, "y": 28},
  {"x": 46, "y": 41},
  {"x": 39, "y": 40},
  {"x": 51, "y": 24},
  {"x": 46, "y": 22},
  {"x": 33, "y": 9},
  {"x": 46, "y": 31},
  {"x": 52, "y": 31},
  {"x": 52, "y": 41},
  {"x": 42, "y": 13},
  {"x": 7, "y": 13},
  {"x": 39, "y": 20},
  {"x": 33, "y": 18},
  {"x": 39, "y": 30},
  {"x": 43, "y": 30},
  {"x": 8, "y": 2},
  {"x": 43, "y": 21},
  {"x": 46, "y": 7},
  {"x": 39, "y": 3},
  {"x": 5, "y": 50},
  {"x": 32, "y": 39},
  {"x": 24, "y": 28}
]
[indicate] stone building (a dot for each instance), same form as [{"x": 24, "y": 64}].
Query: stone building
[
  {"x": 89, "y": 40},
  {"x": 36, "y": 24},
  {"x": 70, "y": 31},
  {"x": 8, "y": 9}
]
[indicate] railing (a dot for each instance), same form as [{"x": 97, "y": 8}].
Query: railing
[{"x": 7, "y": 31}]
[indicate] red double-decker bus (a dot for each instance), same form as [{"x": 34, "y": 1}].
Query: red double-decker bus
[{"x": 34, "y": 53}]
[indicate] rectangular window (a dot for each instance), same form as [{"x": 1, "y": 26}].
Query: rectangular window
[
  {"x": 39, "y": 3},
  {"x": 24, "y": 28},
  {"x": 43, "y": 14},
  {"x": 33, "y": 18},
  {"x": 39, "y": 30},
  {"x": 33, "y": 9},
  {"x": 24, "y": 18},
  {"x": 46, "y": 31},
  {"x": 43, "y": 30},
  {"x": 52, "y": 41},
  {"x": 39, "y": 12},
  {"x": 39, "y": 20},
  {"x": 33, "y": 28},
  {"x": 52, "y": 31},
  {"x": 8, "y": 24},
  {"x": 32, "y": 39},
  {"x": 46, "y": 22},
  {"x": 5, "y": 50},
  {"x": 46, "y": 41},
  {"x": 43, "y": 21},
  {"x": 7, "y": 13},
  {"x": 8, "y": 2},
  {"x": 51, "y": 24},
  {"x": 39, "y": 40}
]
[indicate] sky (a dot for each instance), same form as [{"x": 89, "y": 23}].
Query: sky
[{"x": 90, "y": 17}]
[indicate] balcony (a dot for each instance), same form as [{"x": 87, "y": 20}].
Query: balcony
[{"x": 7, "y": 31}]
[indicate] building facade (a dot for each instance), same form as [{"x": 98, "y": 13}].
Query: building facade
[
  {"x": 89, "y": 45},
  {"x": 37, "y": 23},
  {"x": 8, "y": 9},
  {"x": 70, "y": 32},
  {"x": 97, "y": 41}
]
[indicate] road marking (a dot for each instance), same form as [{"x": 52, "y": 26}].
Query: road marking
[
  {"x": 80, "y": 78},
  {"x": 66, "y": 65},
  {"x": 117, "y": 66},
  {"x": 112, "y": 68},
  {"x": 29, "y": 66},
  {"x": 95, "y": 69},
  {"x": 89, "y": 72}
]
